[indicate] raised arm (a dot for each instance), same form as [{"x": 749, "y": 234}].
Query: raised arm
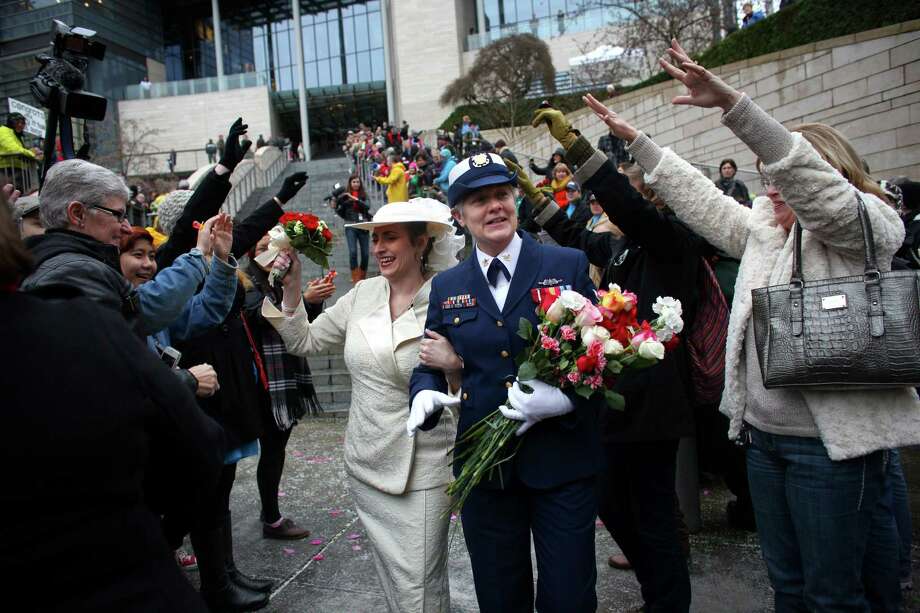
[
  {"x": 823, "y": 199},
  {"x": 301, "y": 336}
]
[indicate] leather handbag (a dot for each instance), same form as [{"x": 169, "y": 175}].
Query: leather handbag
[{"x": 846, "y": 333}]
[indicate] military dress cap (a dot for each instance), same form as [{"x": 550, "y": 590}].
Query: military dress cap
[{"x": 477, "y": 171}]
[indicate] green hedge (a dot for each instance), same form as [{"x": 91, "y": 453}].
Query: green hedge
[{"x": 804, "y": 22}]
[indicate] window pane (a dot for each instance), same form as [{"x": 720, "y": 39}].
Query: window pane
[
  {"x": 310, "y": 69},
  {"x": 332, "y": 32},
  {"x": 336, "y": 65},
  {"x": 351, "y": 69},
  {"x": 324, "y": 76},
  {"x": 349, "y": 28},
  {"x": 364, "y": 68},
  {"x": 375, "y": 28},
  {"x": 309, "y": 44},
  {"x": 362, "y": 36},
  {"x": 378, "y": 72},
  {"x": 322, "y": 43}
]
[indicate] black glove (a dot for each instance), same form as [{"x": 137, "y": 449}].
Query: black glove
[
  {"x": 291, "y": 186},
  {"x": 234, "y": 150}
]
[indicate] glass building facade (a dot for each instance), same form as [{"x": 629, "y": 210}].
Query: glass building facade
[{"x": 341, "y": 46}]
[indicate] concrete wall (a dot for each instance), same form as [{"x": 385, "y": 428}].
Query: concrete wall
[
  {"x": 867, "y": 85},
  {"x": 425, "y": 59},
  {"x": 187, "y": 122}
]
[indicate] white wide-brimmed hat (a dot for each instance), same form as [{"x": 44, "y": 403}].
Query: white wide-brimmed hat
[
  {"x": 428, "y": 210},
  {"x": 447, "y": 244}
]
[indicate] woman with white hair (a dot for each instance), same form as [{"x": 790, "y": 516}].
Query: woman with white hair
[
  {"x": 397, "y": 482},
  {"x": 816, "y": 459}
]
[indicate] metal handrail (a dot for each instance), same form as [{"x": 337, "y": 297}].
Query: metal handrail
[
  {"x": 250, "y": 179},
  {"x": 21, "y": 170}
]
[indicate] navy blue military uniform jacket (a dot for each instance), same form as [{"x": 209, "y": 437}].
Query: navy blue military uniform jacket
[{"x": 461, "y": 307}]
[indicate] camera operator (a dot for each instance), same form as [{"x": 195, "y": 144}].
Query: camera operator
[{"x": 12, "y": 147}]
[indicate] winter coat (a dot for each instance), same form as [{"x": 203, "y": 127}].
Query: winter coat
[
  {"x": 352, "y": 210},
  {"x": 736, "y": 189},
  {"x": 11, "y": 143},
  {"x": 104, "y": 441},
  {"x": 659, "y": 256},
  {"x": 226, "y": 347},
  {"x": 547, "y": 171},
  {"x": 397, "y": 183},
  {"x": 77, "y": 260},
  {"x": 850, "y": 423},
  {"x": 443, "y": 179}
]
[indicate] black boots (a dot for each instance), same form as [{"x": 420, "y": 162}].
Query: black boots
[
  {"x": 250, "y": 583},
  {"x": 220, "y": 593}
]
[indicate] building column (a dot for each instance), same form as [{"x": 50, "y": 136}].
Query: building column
[
  {"x": 218, "y": 44},
  {"x": 388, "y": 71},
  {"x": 301, "y": 78},
  {"x": 481, "y": 22}
]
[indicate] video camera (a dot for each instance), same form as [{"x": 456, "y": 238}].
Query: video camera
[
  {"x": 58, "y": 86},
  {"x": 337, "y": 190}
]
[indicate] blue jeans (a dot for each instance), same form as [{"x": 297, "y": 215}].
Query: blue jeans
[
  {"x": 355, "y": 237},
  {"x": 824, "y": 526},
  {"x": 900, "y": 505}
]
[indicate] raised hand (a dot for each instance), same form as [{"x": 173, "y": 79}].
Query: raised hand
[
  {"x": 559, "y": 126},
  {"x": 533, "y": 194},
  {"x": 234, "y": 150},
  {"x": 619, "y": 126},
  {"x": 206, "y": 236},
  {"x": 291, "y": 186},
  {"x": 704, "y": 89},
  {"x": 222, "y": 236}
]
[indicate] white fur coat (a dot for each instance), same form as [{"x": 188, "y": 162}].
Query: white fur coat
[{"x": 851, "y": 423}]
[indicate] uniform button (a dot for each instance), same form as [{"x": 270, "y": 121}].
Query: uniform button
[
  {"x": 456, "y": 320},
  {"x": 466, "y": 396},
  {"x": 499, "y": 323},
  {"x": 504, "y": 353},
  {"x": 508, "y": 384}
]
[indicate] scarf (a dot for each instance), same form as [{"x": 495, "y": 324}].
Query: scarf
[{"x": 290, "y": 384}]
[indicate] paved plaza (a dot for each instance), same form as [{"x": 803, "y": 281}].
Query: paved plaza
[{"x": 332, "y": 571}]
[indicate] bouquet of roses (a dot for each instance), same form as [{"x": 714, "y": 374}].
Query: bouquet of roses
[
  {"x": 577, "y": 346},
  {"x": 305, "y": 233}
]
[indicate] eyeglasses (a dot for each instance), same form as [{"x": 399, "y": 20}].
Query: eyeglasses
[{"x": 119, "y": 216}]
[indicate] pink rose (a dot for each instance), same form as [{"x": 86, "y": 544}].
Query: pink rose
[
  {"x": 588, "y": 316},
  {"x": 644, "y": 334},
  {"x": 596, "y": 349},
  {"x": 594, "y": 381},
  {"x": 568, "y": 333},
  {"x": 573, "y": 377}
]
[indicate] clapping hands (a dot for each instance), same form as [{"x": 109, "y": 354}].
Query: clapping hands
[{"x": 216, "y": 235}]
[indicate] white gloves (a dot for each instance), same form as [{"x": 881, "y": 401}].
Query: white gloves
[
  {"x": 424, "y": 404},
  {"x": 545, "y": 401}
]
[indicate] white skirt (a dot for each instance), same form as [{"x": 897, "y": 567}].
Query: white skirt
[{"x": 409, "y": 534}]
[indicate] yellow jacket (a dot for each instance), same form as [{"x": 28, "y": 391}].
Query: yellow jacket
[
  {"x": 397, "y": 183},
  {"x": 10, "y": 144}
]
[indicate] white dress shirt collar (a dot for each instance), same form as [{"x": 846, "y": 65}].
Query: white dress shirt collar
[{"x": 509, "y": 257}]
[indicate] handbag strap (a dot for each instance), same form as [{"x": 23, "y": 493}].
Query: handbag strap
[{"x": 872, "y": 277}]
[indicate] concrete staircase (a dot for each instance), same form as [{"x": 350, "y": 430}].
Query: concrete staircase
[{"x": 330, "y": 376}]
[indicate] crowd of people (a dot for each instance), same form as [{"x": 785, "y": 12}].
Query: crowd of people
[{"x": 204, "y": 362}]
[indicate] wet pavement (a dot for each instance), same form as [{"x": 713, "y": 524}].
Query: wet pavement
[{"x": 332, "y": 571}]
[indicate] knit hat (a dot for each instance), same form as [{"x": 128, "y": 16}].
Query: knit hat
[{"x": 171, "y": 209}]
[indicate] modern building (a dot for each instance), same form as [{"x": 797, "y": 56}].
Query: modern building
[{"x": 364, "y": 61}]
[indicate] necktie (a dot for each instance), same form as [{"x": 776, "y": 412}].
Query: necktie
[{"x": 496, "y": 268}]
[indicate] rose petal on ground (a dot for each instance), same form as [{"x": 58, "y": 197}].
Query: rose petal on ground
[
  {"x": 316, "y": 542},
  {"x": 599, "y": 523},
  {"x": 318, "y": 557},
  {"x": 335, "y": 512},
  {"x": 353, "y": 536},
  {"x": 289, "y": 551},
  {"x": 281, "y": 494},
  {"x": 297, "y": 454},
  {"x": 356, "y": 547}
]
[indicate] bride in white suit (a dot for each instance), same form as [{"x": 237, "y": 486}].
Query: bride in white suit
[{"x": 398, "y": 482}]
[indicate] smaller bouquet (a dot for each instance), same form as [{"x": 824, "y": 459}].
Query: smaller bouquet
[
  {"x": 305, "y": 233},
  {"x": 577, "y": 346}
]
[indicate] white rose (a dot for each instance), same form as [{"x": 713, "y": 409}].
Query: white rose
[
  {"x": 667, "y": 304},
  {"x": 571, "y": 300},
  {"x": 555, "y": 311},
  {"x": 674, "y": 322},
  {"x": 613, "y": 347},
  {"x": 594, "y": 333},
  {"x": 651, "y": 350}
]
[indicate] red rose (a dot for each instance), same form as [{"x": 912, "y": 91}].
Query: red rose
[
  {"x": 620, "y": 332},
  {"x": 327, "y": 234},
  {"x": 673, "y": 343},
  {"x": 287, "y": 217},
  {"x": 586, "y": 363},
  {"x": 310, "y": 222}
]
